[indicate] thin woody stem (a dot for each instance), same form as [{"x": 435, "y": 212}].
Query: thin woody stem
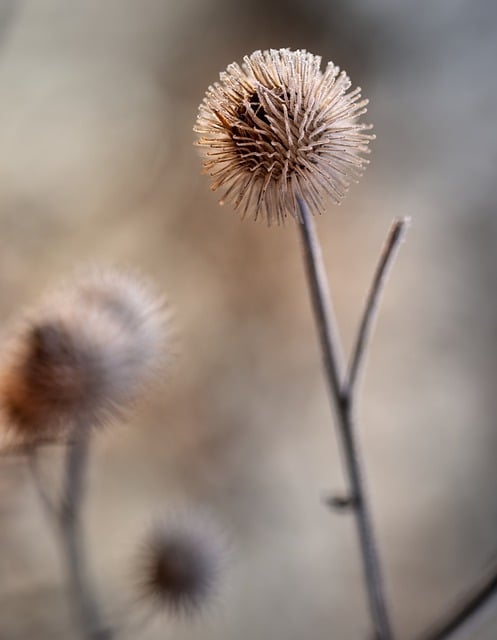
[
  {"x": 387, "y": 257},
  {"x": 464, "y": 612},
  {"x": 44, "y": 497},
  {"x": 66, "y": 518},
  {"x": 341, "y": 402},
  {"x": 70, "y": 528}
]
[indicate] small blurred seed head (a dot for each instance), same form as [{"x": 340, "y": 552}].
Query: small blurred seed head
[
  {"x": 180, "y": 564},
  {"x": 278, "y": 127},
  {"x": 83, "y": 356}
]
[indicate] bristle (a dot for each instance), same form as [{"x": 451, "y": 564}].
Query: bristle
[
  {"x": 278, "y": 127},
  {"x": 83, "y": 356}
]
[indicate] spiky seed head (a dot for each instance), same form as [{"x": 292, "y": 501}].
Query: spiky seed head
[
  {"x": 180, "y": 564},
  {"x": 278, "y": 127},
  {"x": 83, "y": 356}
]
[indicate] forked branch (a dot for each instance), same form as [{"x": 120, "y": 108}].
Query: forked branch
[{"x": 343, "y": 400}]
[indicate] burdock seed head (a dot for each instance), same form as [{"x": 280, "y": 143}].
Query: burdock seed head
[
  {"x": 278, "y": 127},
  {"x": 82, "y": 356},
  {"x": 180, "y": 564}
]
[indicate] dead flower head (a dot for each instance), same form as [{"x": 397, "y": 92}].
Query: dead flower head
[
  {"x": 82, "y": 356},
  {"x": 180, "y": 564},
  {"x": 278, "y": 127}
]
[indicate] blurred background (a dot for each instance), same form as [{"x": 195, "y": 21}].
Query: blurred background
[{"x": 97, "y": 104}]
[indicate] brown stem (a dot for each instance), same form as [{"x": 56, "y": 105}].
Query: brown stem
[
  {"x": 70, "y": 528},
  {"x": 387, "y": 257},
  {"x": 45, "y": 498},
  {"x": 465, "y": 610},
  {"x": 324, "y": 316},
  {"x": 67, "y": 521}
]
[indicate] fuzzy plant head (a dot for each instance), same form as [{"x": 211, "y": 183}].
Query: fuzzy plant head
[
  {"x": 277, "y": 128},
  {"x": 180, "y": 564},
  {"x": 82, "y": 356}
]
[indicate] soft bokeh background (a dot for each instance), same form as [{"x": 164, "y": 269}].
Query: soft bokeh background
[{"x": 97, "y": 102}]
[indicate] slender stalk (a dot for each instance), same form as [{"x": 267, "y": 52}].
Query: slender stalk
[
  {"x": 341, "y": 402},
  {"x": 45, "y": 499},
  {"x": 464, "y": 612},
  {"x": 67, "y": 521},
  {"x": 70, "y": 528},
  {"x": 387, "y": 257}
]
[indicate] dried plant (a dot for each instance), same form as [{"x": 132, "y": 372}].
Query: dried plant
[
  {"x": 286, "y": 130},
  {"x": 281, "y": 137},
  {"x": 82, "y": 356},
  {"x": 180, "y": 562},
  {"x": 79, "y": 360},
  {"x": 278, "y": 128}
]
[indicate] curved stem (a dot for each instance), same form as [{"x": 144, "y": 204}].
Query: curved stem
[
  {"x": 341, "y": 402},
  {"x": 387, "y": 257}
]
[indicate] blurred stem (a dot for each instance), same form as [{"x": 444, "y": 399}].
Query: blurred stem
[
  {"x": 464, "y": 611},
  {"x": 44, "y": 497},
  {"x": 70, "y": 527},
  {"x": 67, "y": 520},
  {"x": 342, "y": 402}
]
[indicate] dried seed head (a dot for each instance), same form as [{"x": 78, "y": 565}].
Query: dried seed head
[
  {"x": 180, "y": 564},
  {"x": 278, "y": 127},
  {"x": 82, "y": 356}
]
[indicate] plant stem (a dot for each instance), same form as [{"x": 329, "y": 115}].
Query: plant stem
[
  {"x": 45, "y": 499},
  {"x": 70, "y": 529},
  {"x": 67, "y": 520},
  {"x": 342, "y": 404},
  {"x": 387, "y": 257},
  {"x": 465, "y": 610}
]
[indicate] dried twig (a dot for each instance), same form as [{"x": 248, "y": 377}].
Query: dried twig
[
  {"x": 342, "y": 403},
  {"x": 66, "y": 518},
  {"x": 389, "y": 252},
  {"x": 45, "y": 498},
  {"x": 70, "y": 529},
  {"x": 464, "y": 612}
]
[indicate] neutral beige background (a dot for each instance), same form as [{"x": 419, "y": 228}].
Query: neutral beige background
[{"x": 97, "y": 102}]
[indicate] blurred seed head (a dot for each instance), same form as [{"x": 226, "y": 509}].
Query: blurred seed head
[
  {"x": 180, "y": 564},
  {"x": 83, "y": 356},
  {"x": 278, "y": 127}
]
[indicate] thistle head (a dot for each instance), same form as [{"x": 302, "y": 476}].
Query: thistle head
[
  {"x": 180, "y": 564},
  {"x": 82, "y": 356},
  {"x": 277, "y": 128}
]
